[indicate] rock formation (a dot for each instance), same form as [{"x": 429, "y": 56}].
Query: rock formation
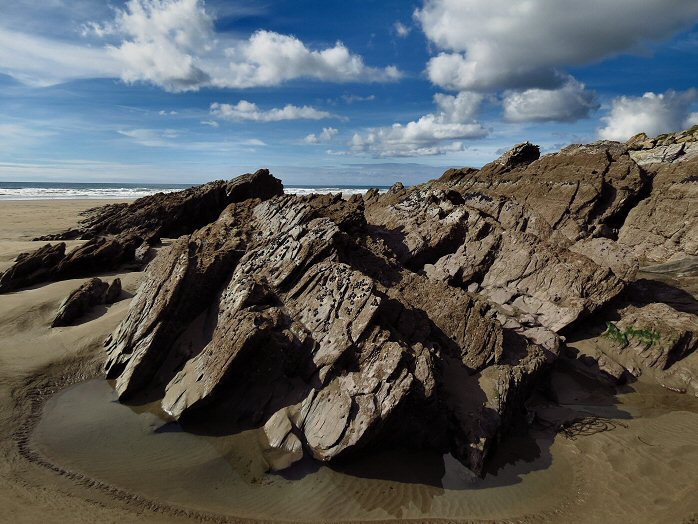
[
  {"x": 32, "y": 268},
  {"x": 92, "y": 293},
  {"x": 123, "y": 234},
  {"x": 421, "y": 316}
]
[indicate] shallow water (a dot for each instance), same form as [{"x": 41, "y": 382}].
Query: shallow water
[{"x": 85, "y": 429}]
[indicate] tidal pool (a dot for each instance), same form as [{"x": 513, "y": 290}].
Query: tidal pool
[{"x": 85, "y": 429}]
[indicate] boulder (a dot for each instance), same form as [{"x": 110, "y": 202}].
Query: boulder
[
  {"x": 92, "y": 293},
  {"x": 32, "y": 268},
  {"x": 653, "y": 340}
]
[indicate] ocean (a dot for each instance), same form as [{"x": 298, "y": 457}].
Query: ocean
[{"x": 117, "y": 191}]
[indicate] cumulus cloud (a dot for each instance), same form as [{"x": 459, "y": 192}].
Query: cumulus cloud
[
  {"x": 650, "y": 113},
  {"x": 174, "y": 44},
  {"x": 432, "y": 134},
  {"x": 518, "y": 45},
  {"x": 171, "y": 43},
  {"x": 162, "y": 42},
  {"x": 245, "y": 110},
  {"x": 327, "y": 134},
  {"x": 569, "y": 103},
  {"x": 270, "y": 58}
]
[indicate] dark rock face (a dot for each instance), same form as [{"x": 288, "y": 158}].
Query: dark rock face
[
  {"x": 32, "y": 268},
  {"x": 92, "y": 293},
  {"x": 179, "y": 213},
  {"x": 120, "y": 234}
]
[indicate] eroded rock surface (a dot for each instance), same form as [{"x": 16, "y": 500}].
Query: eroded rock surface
[{"x": 422, "y": 316}]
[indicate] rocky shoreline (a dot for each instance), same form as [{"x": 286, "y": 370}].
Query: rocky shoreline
[{"x": 425, "y": 316}]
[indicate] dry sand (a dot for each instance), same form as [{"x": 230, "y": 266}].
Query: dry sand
[{"x": 54, "y": 439}]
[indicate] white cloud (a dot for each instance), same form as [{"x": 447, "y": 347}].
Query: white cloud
[
  {"x": 173, "y": 44},
  {"x": 270, "y": 58},
  {"x": 245, "y": 110},
  {"x": 162, "y": 41},
  {"x": 569, "y": 103},
  {"x": 150, "y": 137},
  {"x": 402, "y": 30},
  {"x": 350, "y": 99},
  {"x": 692, "y": 120},
  {"x": 327, "y": 134},
  {"x": 432, "y": 134},
  {"x": 39, "y": 61},
  {"x": 650, "y": 113},
  {"x": 166, "y": 113},
  {"x": 211, "y": 123},
  {"x": 253, "y": 142},
  {"x": 501, "y": 44}
]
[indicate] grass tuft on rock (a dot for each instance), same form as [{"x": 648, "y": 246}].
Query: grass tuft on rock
[{"x": 622, "y": 337}]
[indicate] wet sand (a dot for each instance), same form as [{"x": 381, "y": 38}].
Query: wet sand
[{"x": 70, "y": 453}]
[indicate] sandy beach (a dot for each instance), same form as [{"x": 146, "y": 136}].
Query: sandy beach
[
  {"x": 35, "y": 360},
  {"x": 641, "y": 466}
]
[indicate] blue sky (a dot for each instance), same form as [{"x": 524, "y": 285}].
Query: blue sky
[{"x": 355, "y": 92}]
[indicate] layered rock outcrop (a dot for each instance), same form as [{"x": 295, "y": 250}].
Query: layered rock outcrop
[
  {"x": 293, "y": 311},
  {"x": 123, "y": 234},
  {"x": 337, "y": 324},
  {"x": 421, "y": 316}
]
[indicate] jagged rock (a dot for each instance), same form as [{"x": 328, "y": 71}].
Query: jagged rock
[
  {"x": 122, "y": 234},
  {"x": 673, "y": 147},
  {"x": 422, "y": 316},
  {"x": 519, "y": 155},
  {"x": 92, "y": 293},
  {"x": 98, "y": 255},
  {"x": 664, "y": 226},
  {"x": 500, "y": 245},
  {"x": 180, "y": 284},
  {"x": 318, "y": 325},
  {"x": 32, "y": 268},
  {"x": 178, "y": 213},
  {"x": 581, "y": 191}
]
